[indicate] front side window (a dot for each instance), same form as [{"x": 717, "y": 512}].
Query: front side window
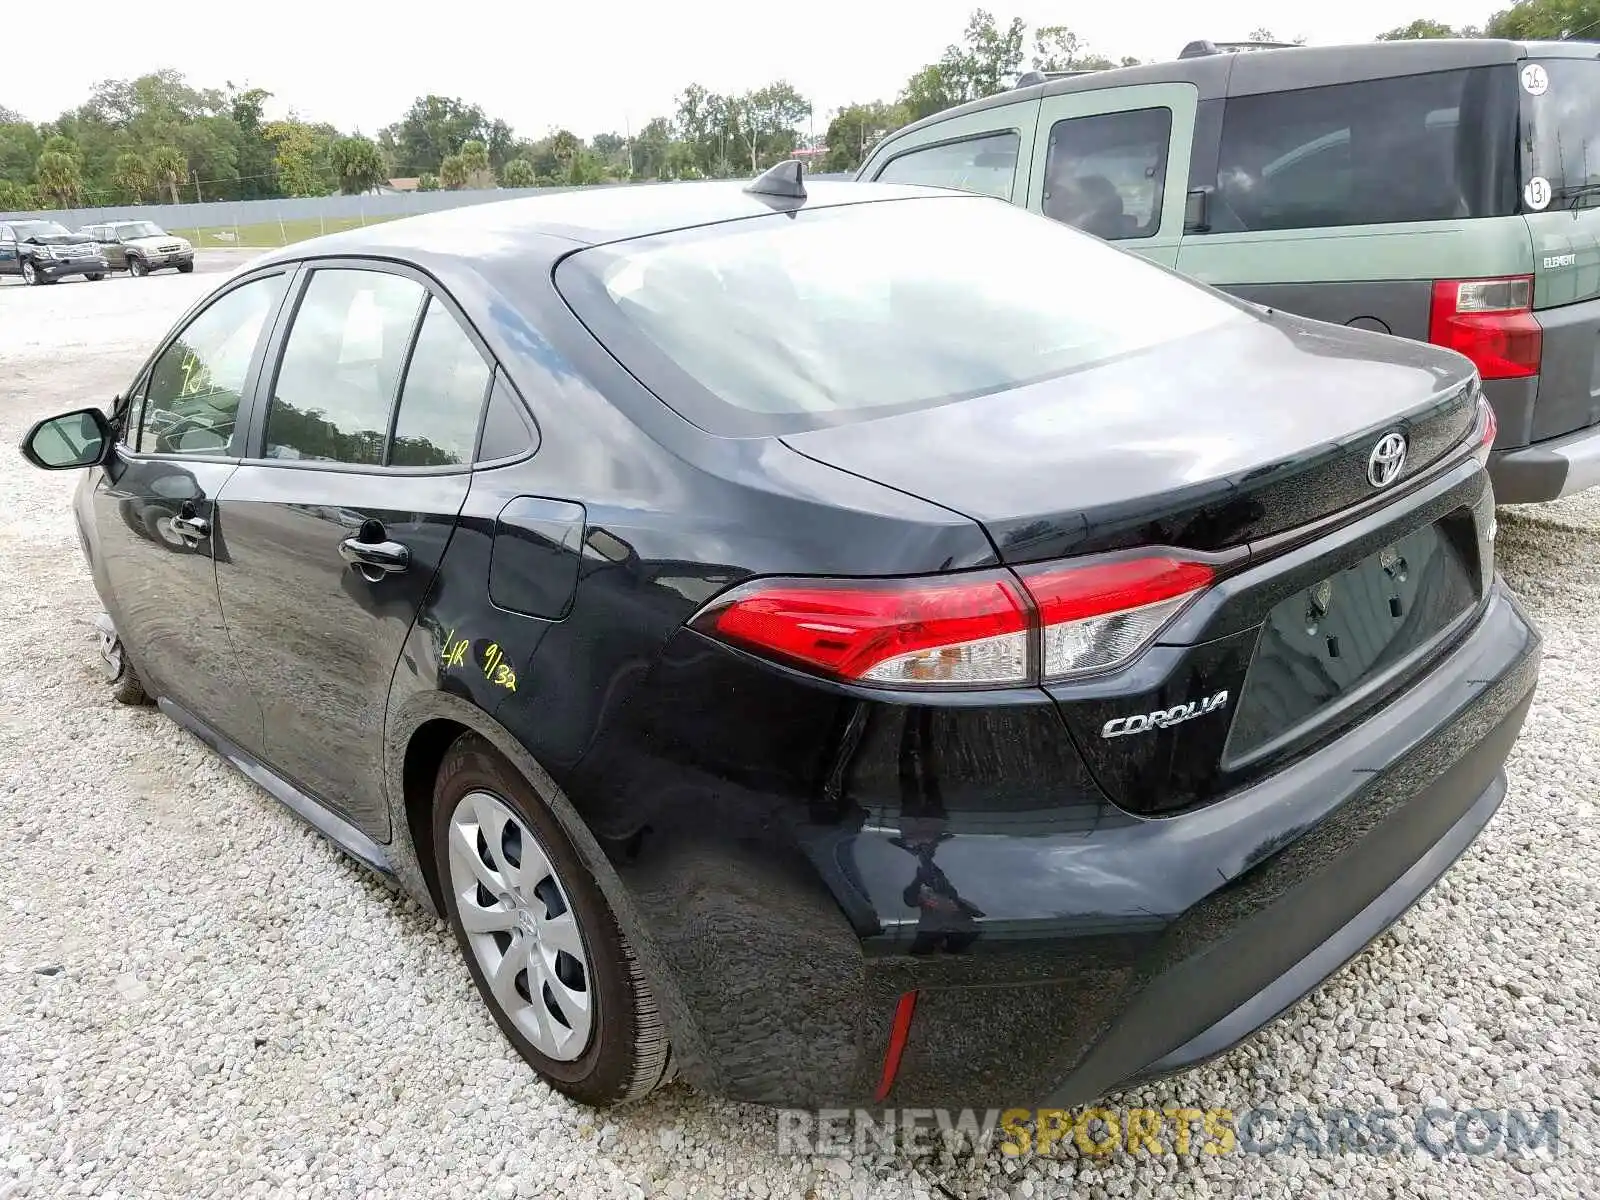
[
  {"x": 1106, "y": 174},
  {"x": 442, "y": 399},
  {"x": 1561, "y": 132},
  {"x": 1413, "y": 148},
  {"x": 191, "y": 399},
  {"x": 782, "y": 323},
  {"x": 336, "y": 383},
  {"x": 986, "y": 165}
]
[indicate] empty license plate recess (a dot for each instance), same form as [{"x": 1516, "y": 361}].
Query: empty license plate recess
[{"x": 1342, "y": 644}]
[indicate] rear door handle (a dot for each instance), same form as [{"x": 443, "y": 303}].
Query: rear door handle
[{"x": 375, "y": 559}]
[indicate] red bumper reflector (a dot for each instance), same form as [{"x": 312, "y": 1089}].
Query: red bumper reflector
[{"x": 898, "y": 1032}]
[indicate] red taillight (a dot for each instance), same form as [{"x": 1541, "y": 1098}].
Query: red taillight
[
  {"x": 1099, "y": 615},
  {"x": 968, "y": 630},
  {"x": 1490, "y": 321},
  {"x": 951, "y": 630}
]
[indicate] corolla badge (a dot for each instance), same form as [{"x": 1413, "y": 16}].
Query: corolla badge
[
  {"x": 1163, "y": 718},
  {"x": 1387, "y": 460}
]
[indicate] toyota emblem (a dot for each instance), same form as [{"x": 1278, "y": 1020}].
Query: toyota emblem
[{"x": 1387, "y": 460}]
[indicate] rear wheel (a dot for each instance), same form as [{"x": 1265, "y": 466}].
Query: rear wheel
[
  {"x": 136, "y": 267},
  {"x": 540, "y": 940}
]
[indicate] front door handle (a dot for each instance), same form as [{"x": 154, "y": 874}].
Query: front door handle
[
  {"x": 191, "y": 527},
  {"x": 374, "y": 559}
]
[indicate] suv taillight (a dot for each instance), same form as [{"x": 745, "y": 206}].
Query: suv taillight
[
  {"x": 1491, "y": 321},
  {"x": 981, "y": 629}
]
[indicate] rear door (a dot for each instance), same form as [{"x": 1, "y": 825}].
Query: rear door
[
  {"x": 1114, "y": 162},
  {"x": 1561, "y": 200},
  {"x": 111, "y": 246},
  {"x": 360, "y": 453}
]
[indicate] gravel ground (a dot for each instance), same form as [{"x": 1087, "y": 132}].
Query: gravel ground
[{"x": 199, "y": 997}]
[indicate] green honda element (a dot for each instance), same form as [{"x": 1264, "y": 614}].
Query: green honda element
[{"x": 1447, "y": 191}]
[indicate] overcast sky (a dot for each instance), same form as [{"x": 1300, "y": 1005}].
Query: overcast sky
[{"x": 600, "y": 65}]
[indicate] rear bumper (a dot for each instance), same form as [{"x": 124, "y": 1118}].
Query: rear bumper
[
  {"x": 1547, "y": 470},
  {"x": 1343, "y": 945},
  {"x": 1305, "y": 869}
]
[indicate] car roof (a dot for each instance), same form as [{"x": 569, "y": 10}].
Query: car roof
[
  {"x": 548, "y": 226},
  {"x": 1253, "y": 72}
]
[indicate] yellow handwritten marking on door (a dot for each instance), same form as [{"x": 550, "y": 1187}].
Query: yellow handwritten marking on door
[
  {"x": 455, "y": 652},
  {"x": 193, "y": 374},
  {"x": 495, "y": 669}
]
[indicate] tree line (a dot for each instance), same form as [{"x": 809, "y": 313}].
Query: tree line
[{"x": 158, "y": 138}]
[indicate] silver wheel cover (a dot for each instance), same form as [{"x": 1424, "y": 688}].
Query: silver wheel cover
[{"x": 520, "y": 926}]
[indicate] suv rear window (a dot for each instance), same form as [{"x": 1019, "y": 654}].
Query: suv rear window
[
  {"x": 1428, "y": 147},
  {"x": 1561, "y": 129},
  {"x": 790, "y": 322}
]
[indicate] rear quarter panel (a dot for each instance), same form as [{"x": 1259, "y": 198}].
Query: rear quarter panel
[{"x": 1566, "y": 296}]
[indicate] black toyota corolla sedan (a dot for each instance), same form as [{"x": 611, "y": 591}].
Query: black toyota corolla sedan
[{"x": 836, "y": 643}]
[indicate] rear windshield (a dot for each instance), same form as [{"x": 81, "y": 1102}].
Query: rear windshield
[
  {"x": 1432, "y": 147},
  {"x": 1561, "y": 131},
  {"x": 782, "y": 323}
]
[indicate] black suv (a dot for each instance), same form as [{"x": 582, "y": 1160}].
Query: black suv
[{"x": 45, "y": 251}]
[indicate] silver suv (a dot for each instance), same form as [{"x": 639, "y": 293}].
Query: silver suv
[{"x": 139, "y": 247}]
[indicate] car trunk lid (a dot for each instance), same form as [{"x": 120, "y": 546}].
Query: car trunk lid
[{"x": 1208, "y": 443}]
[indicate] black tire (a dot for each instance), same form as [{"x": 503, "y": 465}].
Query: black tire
[
  {"x": 627, "y": 1055},
  {"x": 30, "y": 273},
  {"x": 185, "y": 268},
  {"x": 96, "y": 277},
  {"x": 137, "y": 267},
  {"x": 128, "y": 688}
]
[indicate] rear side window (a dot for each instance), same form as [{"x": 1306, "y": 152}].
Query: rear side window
[
  {"x": 1561, "y": 131},
  {"x": 986, "y": 165},
  {"x": 1428, "y": 147},
  {"x": 437, "y": 425},
  {"x": 1106, "y": 174},
  {"x": 336, "y": 383},
  {"x": 793, "y": 321},
  {"x": 505, "y": 427}
]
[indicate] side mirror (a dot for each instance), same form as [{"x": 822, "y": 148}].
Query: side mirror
[
  {"x": 74, "y": 439},
  {"x": 1197, "y": 210}
]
